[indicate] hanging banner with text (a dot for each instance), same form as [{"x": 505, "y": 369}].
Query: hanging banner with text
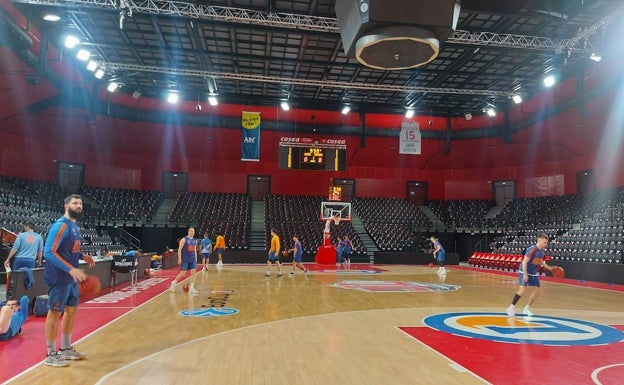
[
  {"x": 409, "y": 142},
  {"x": 251, "y": 136}
]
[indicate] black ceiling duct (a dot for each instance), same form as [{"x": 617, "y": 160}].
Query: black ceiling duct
[{"x": 395, "y": 34}]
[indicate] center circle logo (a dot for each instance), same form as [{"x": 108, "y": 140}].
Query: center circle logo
[
  {"x": 208, "y": 312},
  {"x": 537, "y": 330}
]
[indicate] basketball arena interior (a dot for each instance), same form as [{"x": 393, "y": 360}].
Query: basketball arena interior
[{"x": 481, "y": 123}]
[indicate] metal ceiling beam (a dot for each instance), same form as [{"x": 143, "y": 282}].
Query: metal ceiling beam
[
  {"x": 578, "y": 43},
  {"x": 303, "y": 82}
]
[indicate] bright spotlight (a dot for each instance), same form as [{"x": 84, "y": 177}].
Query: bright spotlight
[
  {"x": 71, "y": 41},
  {"x": 99, "y": 74},
  {"x": 517, "y": 99},
  {"x": 212, "y": 100},
  {"x": 285, "y": 106},
  {"x": 409, "y": 114},
  {"x": 112, "y": 86},
  {"x": 595, "y": 57},
  {"x": 345, "y": 110},
  {"x": 92, "y": 65},
  {"x": 549, "y": 81},
  {"x": 173, "y": 98},
  {"x": 83, "y": 55},
  {"x": 51, "y": 17},
  {"x": 491, "y": 112}
]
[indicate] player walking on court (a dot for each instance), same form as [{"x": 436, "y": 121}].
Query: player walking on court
[
  {"x": 297, "y": 251},
  {"x": 219, "y": 248},
  {"x": 61, "y": 273},
  {"x": 274, "y": 255},
  {"x": 206, "y": 250},
  {"x": 187, "y": 259},
  {"x": 439, "y": 254},
  {"x": 347, "y": 248},
  {"x": 533, "y": 258}
]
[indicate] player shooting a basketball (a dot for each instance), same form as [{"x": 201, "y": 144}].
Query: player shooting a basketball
[
  {"x": 533, "y": 258},
  {"x": 335, "y": 218}
]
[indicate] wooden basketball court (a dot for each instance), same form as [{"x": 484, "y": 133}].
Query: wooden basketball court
[{"x": 366, "y": 325}]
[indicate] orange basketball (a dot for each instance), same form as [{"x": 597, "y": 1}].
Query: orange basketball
[
  {"x": 186, "y": 288},
  {"x": 90, "y": 287},
  {"x": 431, "y": 264},
  {"x": 147, "y": 272},
  {"x": 558, "y": 272},
  {"x": 285, "y": 253}
]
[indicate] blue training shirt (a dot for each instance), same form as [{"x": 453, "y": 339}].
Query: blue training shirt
[{"x": 61, "y": 251}]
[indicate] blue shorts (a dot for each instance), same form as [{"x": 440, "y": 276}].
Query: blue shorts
[
  {"x": 532, "y": 281},
  {"x": 219, "y": 251},
  {"x": 274, "y": 257},
  {"x": 441, "y": 255},
  {"x": 186, "y": 265},
  {"x": 24, "y": 262},
  {"x": 62, "y": 295},
  {"x": 297, "y": 257},
  {"x": 205, "y": 255}
]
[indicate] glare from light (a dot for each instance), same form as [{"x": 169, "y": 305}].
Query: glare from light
[
  {"x": 285, "y": 106},
  {"x": 112, "y": 86},
  {"x": 99, "y": 74},
  {"x": 491, "y": 112},
  {"x": 71, "y": 41},
  {"x": 83, "y": 55},
  {"x": 173, "y": 98},
  {"x": 51, "y": 17},
  {"x": 517, "y": 99},
  {"x": 92, "y": 65},
  {"x": 549, "y": 81},
  {"x": 409, "y": 114},
  {"x": 212, "y": 100},
  {"x": 345, "y": 110},
  {"x": 595, "y": 57}
]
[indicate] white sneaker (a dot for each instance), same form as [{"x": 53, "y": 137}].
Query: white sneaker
[
  {"x": 291, "y": 274},
  {"x": 219, "y": 264},
  {"x": 527, "y": 311},
  {"x": 192, "y": 290},
  {"x": 511, "y": 310},
  {"x": 173, "y": 287}
]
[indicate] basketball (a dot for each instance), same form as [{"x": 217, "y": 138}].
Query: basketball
[
  {"x": 558, "y": 272},
  {"x": 147, "y": 272},
  {"x": 90, "y": 287},
  {"x": 186, "y": 288},
  {"x": 285, "y": 253},
  {"x": 431, "y": 264}
]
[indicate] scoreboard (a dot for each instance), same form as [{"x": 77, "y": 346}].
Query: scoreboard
[{"x": 311, "y": 155}]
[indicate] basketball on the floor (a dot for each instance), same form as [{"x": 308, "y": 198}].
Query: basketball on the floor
[
  {"x": 147, "y": 272},
  {"x": 558, "y": 272},
  {"x": 431, "y": 264},
  {"x": 90, "y": 287},
  {"x": 285, "y": 253},
  {"x": 186, "y": 288}
]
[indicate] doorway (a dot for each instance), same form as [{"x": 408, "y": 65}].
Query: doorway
[
  {"x": 417, "y": 193},
  {"x": 258, "y": 186}
]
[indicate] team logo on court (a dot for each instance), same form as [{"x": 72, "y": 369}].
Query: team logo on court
[
  {"x": 208, "y": 312},
  {"x": 538, "y": 330},
  {"x": 394, "y": 286}
]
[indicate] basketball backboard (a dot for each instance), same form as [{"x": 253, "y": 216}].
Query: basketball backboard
[{"x": 329, "y": 209}]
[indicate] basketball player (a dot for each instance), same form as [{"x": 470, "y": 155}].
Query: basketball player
[
  {"x": 206, "y": 250},
  {"x": 533, "y": 258},
  {"x": 274, "y": 255},
  {"x": 187, "y": 259},
  {"x": 62, "y": 254},
  {"x": 297, "y": 251},
  {"x": 347, "y": 247},
  {"x": 12, "y": 317},
  {"x": 439, "y": 254},
  {"x": 219, "y": 247}
]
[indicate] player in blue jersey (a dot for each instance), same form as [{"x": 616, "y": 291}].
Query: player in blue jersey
[
  {"x": 61, "y": 273},
  {"x": 187, "y": 259},
  {"x": 297, "y": 251},
  {"x": 529, "y": 276},
  {"x": 439, "y": 254},
  {"x": 12, "y": 317},
  {"x": 27, "y": 249},
  {"x": 206, "y": 250}
]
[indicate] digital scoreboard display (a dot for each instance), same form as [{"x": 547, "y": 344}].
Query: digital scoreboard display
[{"x": 312, "y": 158}]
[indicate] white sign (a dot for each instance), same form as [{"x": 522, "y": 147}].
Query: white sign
[{"x": 409, "y": 141}]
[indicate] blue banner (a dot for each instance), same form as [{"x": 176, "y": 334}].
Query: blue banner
[{"x": 251, "y": 136}]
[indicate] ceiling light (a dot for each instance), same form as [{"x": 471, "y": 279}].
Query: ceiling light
[
  {"x": 345, "y": 110},
  {"x": 92, "y": 65},
  {"x": 285, "y": 106},
  {"x": 173, "y": 97},
  {"x": 409, "y": 114},
  {"x": 517, "y": 99},
  {"x": 83, "y": 55},
  {"x": 595, "y": 57},
  {"x": 468, "y": 116},
  {"x": 491, "y": 112},
  {"x": 51, "y": 17},
  {"x": 212, "y": 100},
  {"x": 112, "y": 86},
  {"x": 71, "y": 41},
  {"x": 99, "y": 74},
  {"x": 549, "y": 81}
]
